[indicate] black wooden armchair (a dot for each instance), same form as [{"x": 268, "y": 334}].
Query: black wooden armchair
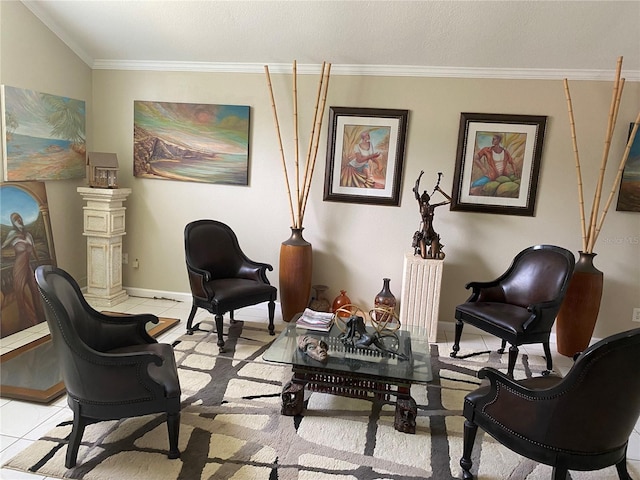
[
  {"x": 111, "y": 367},
  {"x": 221, "y": 277},
  {"x": 580, "y": 422},
  {"x": 521, "y": 305}
]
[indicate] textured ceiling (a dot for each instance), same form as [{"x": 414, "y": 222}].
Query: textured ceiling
[{"x": 486, "y": 35}]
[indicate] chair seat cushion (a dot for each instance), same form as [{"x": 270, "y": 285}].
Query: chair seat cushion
[
  {"x": 165, "y": 374},
  {"x": 506, "y": 317},
  {"x": 231, "y": 290}
]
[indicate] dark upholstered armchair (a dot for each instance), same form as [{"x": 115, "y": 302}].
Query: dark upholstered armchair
[
  {"x": 221, "y": 277},
  {"x": 580, "y": 422},
  {"x": 111, "y": 367},
  {"x": 521, "y": 305}
]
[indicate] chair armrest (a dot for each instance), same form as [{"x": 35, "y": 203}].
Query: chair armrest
[
  {"x": 198, "y": 277},
  {"x": 255, "y": 270},
  {"x": 485, "y": 292},
  {"x": 538, "y": 311}
]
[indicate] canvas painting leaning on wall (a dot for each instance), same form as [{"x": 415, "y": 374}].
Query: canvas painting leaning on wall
[{"x": 25, "y": 233}]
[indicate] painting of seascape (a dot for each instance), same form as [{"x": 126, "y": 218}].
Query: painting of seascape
[
  {"x": 191, "y": 142},
  {"x": 43, "y": 136},
  {"x": 629, "y": 194}
]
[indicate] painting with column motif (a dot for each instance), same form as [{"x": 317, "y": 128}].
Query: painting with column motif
[
  {"x": 43, "y": 136},
  {"x": 27, "y": 242},
  {"x": 191, "y": 142}
]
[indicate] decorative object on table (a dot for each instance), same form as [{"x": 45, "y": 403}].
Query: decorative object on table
[
  {"x": 365, "y": 155},
  {"x": 45, "y": 136},
  {"x": 339, "y": 302},
  {"x": 319, "y": 301},
  {"x": 629, "y": 193},
  {"x": 356, "y": 338},
  {"x": 426, "y": 242},
  {"x": 296, "y": 253},
  {"x": 313, "y": 320},
  {"x": 497, "y": 163},
  {"x": 579, "y": 312},
  {"x": 313, "y": 347},
  {"x": 384, "y": 318},
  {"x": 102, "y": 170},
  {"x": 191, "y": 142},
  {"x": 27, "y": 241},
  {"x": 104, "y": 227}
]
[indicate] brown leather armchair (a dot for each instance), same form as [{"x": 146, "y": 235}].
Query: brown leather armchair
[
  {"x": 521, "y": 305},
  {"x": 580, "y": 422},
  {"x": 111, "y": 367},
  {"x": 221, "y": 277}
]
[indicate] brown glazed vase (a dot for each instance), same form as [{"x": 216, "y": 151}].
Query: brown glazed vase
[
  {"x": 383, "y": 299},
  {"x": 577, "y": 317},
  {"x": 340, "y": 301},
  {"x": 295, "y": 274}
]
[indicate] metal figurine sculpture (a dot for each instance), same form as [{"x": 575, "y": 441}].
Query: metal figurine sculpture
[{"x": 426, "y": 241}]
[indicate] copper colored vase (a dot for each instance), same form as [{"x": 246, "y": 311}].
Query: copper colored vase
[
  {"x": 340, "y": 301},
  {"x": 577, "y": 317},
  {"x": 295, "y": 274}
]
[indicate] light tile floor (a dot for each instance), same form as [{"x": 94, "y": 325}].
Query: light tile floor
[{"x": 22, "y": 423}]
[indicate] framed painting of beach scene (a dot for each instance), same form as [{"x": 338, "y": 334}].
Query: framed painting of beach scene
[
  {"x": 27, "y": 241},
  {"x": 365, "y": 155},
  {"x": 629, "y": 192},
  {"x": 191, "y": 142},
  {"x": 43, "y": 136},
  {"x": 498, "y": 163}
]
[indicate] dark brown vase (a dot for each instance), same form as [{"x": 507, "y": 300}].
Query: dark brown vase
[
  {"x": 340, "y": 301},
  {"x": 579, "y": 311},
  {"x": 385, "y": 298},
  {"x": 295, "y": 274}
]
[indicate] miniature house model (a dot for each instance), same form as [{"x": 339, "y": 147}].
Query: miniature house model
[{"x": 102, "y": 170}]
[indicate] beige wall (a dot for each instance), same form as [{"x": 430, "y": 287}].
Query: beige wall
[
  {"x": 32, "y": 57},
  {"x": 355, "y": 246}
]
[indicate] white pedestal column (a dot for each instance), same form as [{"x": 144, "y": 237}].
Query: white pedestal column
[
  {"x": 104, "y": 222},
  {"x": 420, "y": 297}
]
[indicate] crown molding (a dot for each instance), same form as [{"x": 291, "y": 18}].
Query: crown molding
[{"x": 368, "y": 70}]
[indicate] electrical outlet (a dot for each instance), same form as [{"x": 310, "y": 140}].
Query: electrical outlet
[
  {"x": 125, "y": 258},
  {"x": 636, "y": 315},
  {"x": 136, "y": 264}
]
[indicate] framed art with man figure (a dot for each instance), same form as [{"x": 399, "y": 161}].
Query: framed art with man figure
[
  {"x": 497, "y": 163},
  {"x": 365, "y": 155},
  {"x": 27, "y": 241}
]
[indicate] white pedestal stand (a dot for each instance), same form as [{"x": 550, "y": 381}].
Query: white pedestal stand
[
  {"x": 420, "y": 297},
  {"x": 104, "y": 228}
]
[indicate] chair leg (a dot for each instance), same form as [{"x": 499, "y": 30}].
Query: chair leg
[
  {"x": 501, "y": 349},
  {"x": 231, "y": 317},
  {"x": 469, "y": 436},
  {"x": 272, "y": 312},
  {"x": 513, "y": 356},
  {"x": 559, "y": 473},
  {"x": 621, "y": 466},
  {"x": 219, "y": 329},
  {"x": 190, "y": 320},
  {"x": 547, "y": 355},
  {"x": 456, "y": 342},
  {"x": 79, "y": 422},
  {"x": 173, "y": 427}
]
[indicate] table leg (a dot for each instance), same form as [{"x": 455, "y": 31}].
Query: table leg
[
  {"x": 406, "y": 412},
  {"x": 292, "y": 399}
]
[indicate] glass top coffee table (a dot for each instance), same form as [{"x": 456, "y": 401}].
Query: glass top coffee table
[{"x": 356, "y": 372}]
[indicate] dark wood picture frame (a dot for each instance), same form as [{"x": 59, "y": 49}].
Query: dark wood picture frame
[
  {"x": 505, "y": 185},
  {"x": 370, "y": 175}
]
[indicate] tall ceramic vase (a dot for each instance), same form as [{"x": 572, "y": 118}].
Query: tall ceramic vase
[
  {"x": 295, "y": 274},
  {"x": 579, "y": 311}
]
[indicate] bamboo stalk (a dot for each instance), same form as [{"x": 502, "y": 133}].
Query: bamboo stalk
[
  {"x": 574, "y": 142},
  {"x": 295, "y": 141},
  {"x": 284, "y": 163},
  {"x": 317, "y": 133},
  {"x": 605, "y": 155},
  {"x": 315, "y": 117},
  {"x": 616, "y": 182}
]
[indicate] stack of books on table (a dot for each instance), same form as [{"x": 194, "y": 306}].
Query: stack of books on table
[{"x": 312, "y": 320}]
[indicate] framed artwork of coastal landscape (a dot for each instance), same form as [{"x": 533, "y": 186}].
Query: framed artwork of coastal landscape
[
  {"x": 497, "y": 163},
  {"x": 43, "y": 136},
  {"x": 191, "y": 142},
  {"x": 629, "y": 192}
]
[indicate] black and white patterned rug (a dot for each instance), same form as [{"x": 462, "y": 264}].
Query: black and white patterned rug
[{"x": 231, "y": 427}]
